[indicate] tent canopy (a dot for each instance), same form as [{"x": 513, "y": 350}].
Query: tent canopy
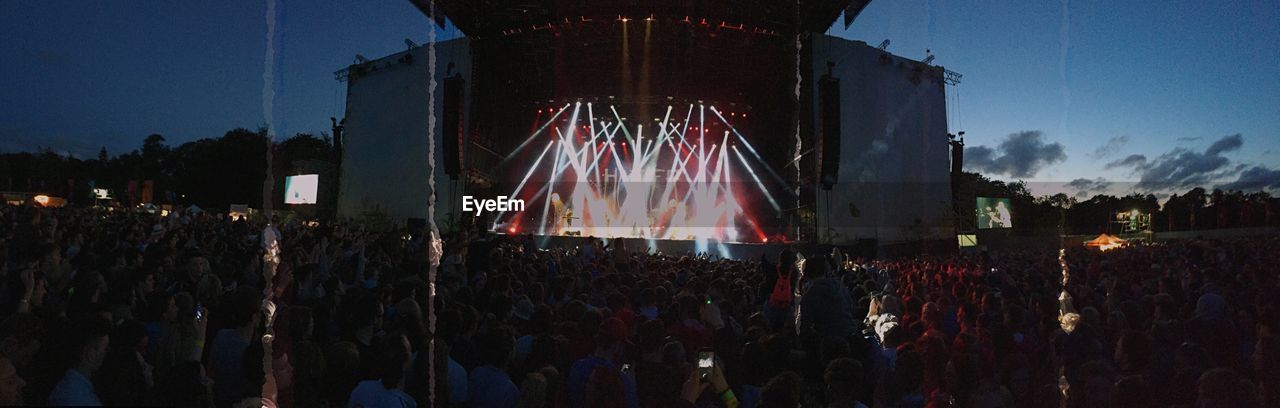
[{"x": 1105, "y": 242}]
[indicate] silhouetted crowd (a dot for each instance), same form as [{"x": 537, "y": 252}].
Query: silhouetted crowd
[{"x": 133, "y": 308}]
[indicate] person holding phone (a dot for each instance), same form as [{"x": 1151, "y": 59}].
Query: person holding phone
[{"x": 707, "y": 376}]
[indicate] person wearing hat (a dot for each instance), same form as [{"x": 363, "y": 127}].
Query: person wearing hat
[{"x": 600, "y": 375}]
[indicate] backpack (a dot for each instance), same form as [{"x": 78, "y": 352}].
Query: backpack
[{"x": 781, "y": 296}]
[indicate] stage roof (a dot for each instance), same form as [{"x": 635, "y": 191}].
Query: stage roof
[{"x": 482, "y": 18}]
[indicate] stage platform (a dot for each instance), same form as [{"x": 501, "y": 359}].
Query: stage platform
[
  {"x": 730, "y": 250},
  {"x": 727, "y": 250}
]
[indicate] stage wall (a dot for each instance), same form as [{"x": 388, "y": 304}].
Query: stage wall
[
  {"x": 384, "y": 163},
  {"x": 894, "y": 154}
]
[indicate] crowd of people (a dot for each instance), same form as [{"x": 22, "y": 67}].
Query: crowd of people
[{"x": 133, "y": 308}]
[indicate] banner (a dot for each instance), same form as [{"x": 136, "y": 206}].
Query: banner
[{"x": 147, "y": 188}]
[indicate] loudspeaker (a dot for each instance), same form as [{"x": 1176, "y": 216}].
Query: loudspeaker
[
  {"x": 957, "y": 156},
  {"x": 452, "y": 124},
  {"x": 829, "y": 150}
]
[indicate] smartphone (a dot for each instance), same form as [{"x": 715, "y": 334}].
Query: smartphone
[
  {"x": 199, "y": 312},
  {"x": 706, "y": 361},
  {"x": 626, "y": 369},
  {"x": 708, "y": 299}
]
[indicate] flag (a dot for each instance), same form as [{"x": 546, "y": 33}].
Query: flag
[{"x": 133, "y": 191}]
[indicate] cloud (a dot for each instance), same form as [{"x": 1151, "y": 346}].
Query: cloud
[
  {"x": 1181, "y": 167},
  {"x": 1084, "y": 185},
  {"x": 1255, "y": 178},
  {"x": 1113, "y": 146},
  {"x": 1130, "y": 161},
  {"x": 1191, "y": 139},
  {"x": 1225, "y": 144},
  {"x": 1020, "y": 155},
  {"x": 1087, "y": 184}
]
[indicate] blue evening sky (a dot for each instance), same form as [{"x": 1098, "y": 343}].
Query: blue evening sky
[
  {"x": 80, "y": 75},
  {"x": 1163, "y": 74}
]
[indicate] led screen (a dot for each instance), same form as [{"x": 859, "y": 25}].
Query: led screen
[
  {"x": 301, "y": 189},
  {"x": 994, "y": 213}
]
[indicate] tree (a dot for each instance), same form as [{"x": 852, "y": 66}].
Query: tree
[
  {"x": 1060, "y": 200},
  {"x": 216, "y": 173}
]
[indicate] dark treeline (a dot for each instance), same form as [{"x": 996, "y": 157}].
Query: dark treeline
[
  {"x": 211, "y": 172},
  {"x": 1196, "y": 209}
]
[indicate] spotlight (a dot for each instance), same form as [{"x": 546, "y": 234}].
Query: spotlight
[{"x": 511, "y": 230}]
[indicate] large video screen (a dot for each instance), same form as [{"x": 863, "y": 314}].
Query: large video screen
[
  {"x": 301, "y": 189},
  {"x": 681, "y": 171},
  {"x": 994, "y": 213}
]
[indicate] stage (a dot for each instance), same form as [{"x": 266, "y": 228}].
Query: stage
[{"x": 646, "y": 124}]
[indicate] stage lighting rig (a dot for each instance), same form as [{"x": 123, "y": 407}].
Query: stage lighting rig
[{"x": 951, "y": 77}]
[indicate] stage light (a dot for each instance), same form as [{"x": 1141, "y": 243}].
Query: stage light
[
  {"x": 534, "y": 135},
  {"x": 757, "y": 179},
  {"x": 511, "y": 230},
  {"x": 701, "y": 203},
  {"x": 41, "y": 199}
]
